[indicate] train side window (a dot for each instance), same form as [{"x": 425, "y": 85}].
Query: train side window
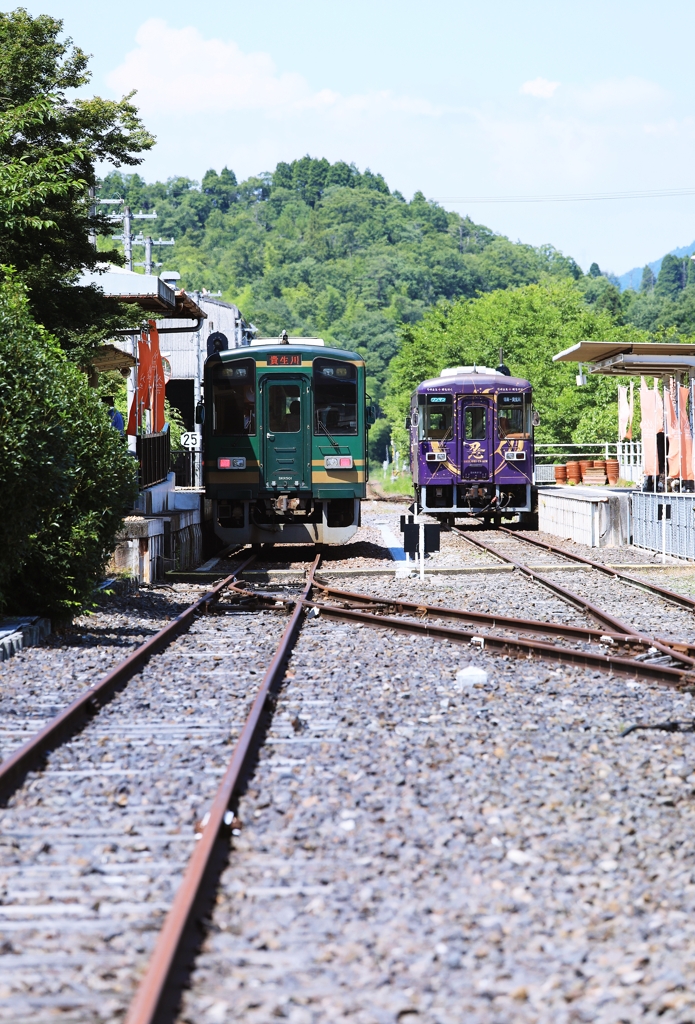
[
  {"x": 475, "y": 423},
  {"x": 335, "y": 397},
  {"x": 284, "y": 408},
  {"x": 435, "y": 418},
  {"x": 234, "y": 398},
  {"x": 513, "y": 415}
]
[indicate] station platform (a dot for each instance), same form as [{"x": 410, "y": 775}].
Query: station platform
[
  {"x": 596, "y": 516},
  {"x": 163, "y": 533}
]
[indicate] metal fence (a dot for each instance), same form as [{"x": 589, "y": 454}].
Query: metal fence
[
  {"x": 664, "y": 523},
  {"x": 153, "y": 455},
  {"x": 628, "y": 454},
  {"x": 188, "y": 467}
]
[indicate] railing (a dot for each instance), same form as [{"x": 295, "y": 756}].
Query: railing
[
  {"x": 154, "y": 455},
  {"x": 664, "y": 523},
  {"x": 188, "y": 467},
  {"x": 628, "y": 454}
]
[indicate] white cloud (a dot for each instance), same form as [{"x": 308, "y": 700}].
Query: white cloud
[
  {"x": 541, "y": 88},
  {"x": 210, "y": 103},
  {"x": 178, "y": 71}
]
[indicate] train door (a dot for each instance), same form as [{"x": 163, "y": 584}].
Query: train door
[
  {"x": 476, "y": 432},
  {"x": 287, "y": 420}
]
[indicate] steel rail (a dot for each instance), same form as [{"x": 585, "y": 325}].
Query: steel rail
[
  {"x": 485, "y": 618},
  {"x": 580, "y": 633},
  {"x": 668, "y": 595},
  {"x": 152, "y": 990},
  {"x": 579, "y": 602},
  {"x": 505, "y": 621},
  {"x": 70, "y": 720},
  {"x": 676, "y": 677}
]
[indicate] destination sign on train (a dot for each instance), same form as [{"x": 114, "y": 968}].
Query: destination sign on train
[{"x": 289, "y": 359}]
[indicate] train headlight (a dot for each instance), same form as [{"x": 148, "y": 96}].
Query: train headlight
[
  {"x": 338, "y": 462},
  {"x": 236, "y": 462}
]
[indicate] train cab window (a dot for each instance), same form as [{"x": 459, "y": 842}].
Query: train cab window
[
  {"x": 234, "y": 398},
  {"x": 284, "y": 408},
  {"x": 475, "y": 422},
  {"x": 513, "y": 416},
  {"x": 335, "y": 397},
  {"x": 435, "y": 417}
]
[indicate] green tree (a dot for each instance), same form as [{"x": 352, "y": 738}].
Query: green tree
[
  {"x": 65, "y": 473},
  {"x": 531, "y": 324},
  {"x": 50, "y": 143},
  {"x": 672, "y": 277},
  {"x": 326, "y": 249}
]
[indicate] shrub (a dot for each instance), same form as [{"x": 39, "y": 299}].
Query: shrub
[{"x": 65, "y": 474}]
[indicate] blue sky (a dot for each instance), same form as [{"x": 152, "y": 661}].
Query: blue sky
[{"x": 457, "y": 99}]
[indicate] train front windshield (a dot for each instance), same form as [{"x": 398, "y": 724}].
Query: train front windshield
[
  {"x": 514, "y": 416},
  {"x": 335, "y": 397},
  {"x": 435, "y": 417},
  {"x": 234, "y": 398}
]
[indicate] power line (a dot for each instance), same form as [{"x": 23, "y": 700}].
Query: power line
[{"x": 576, "y": 197}]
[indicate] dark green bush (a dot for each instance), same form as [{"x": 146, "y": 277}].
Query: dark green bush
[{"x": 65, "y": 475}]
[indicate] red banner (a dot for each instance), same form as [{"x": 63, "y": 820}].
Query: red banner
[{"x": 150, "y": 384}]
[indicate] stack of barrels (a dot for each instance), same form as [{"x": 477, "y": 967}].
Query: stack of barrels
[{"x": 588, "y": 471}]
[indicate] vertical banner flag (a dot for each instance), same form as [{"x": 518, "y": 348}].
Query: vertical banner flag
[
  {"x": 648, "y": 429},
  {"x": 158, "y": 385},
  {"x": 686, "y": 437},
  {"x": 658, "y": 408},
  {"x": 673, "y": 434},
  {"x": 632, "y": 410},
  {"x": 623, "y": 413},
  {"x": 142, "y": 396}
]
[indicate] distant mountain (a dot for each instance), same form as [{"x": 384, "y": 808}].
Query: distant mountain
[{"x": 633, "y": 277}]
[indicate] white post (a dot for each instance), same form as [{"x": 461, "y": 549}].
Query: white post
[
  {"x": 663, "y": 531},
  {"x": 127, "y": 239},
  {"x": 422, "y": 549}
]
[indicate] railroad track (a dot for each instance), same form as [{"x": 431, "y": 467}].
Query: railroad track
[
  {"x": 127, "y": 803},
  {"x": 97, "y": 836}
]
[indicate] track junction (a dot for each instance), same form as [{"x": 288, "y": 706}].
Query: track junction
[{"x": 287, "y": 804}]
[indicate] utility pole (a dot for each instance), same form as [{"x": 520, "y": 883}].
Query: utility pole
[
  {"x": 126, "y": 237},
  {"x": 149, "y": 242}
]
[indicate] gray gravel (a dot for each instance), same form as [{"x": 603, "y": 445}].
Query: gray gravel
[
  {"x": 409, "y": 850},
  {"x": 94, "y": 846},
  {"x": 420, "y": 853}
]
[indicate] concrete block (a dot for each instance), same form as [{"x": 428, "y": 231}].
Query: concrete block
[
  {"x": 17, "y": 633},
  {"x": 585, "y": 515}
]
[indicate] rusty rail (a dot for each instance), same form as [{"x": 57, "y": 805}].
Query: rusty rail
[
  {"x": 579, "y": 602},
  {"x": 676, "y": 677},
  {"x": 72, "y": 718},
  {"x": 630, "y": 666},
  {"x": 668, "y": 595},
  {"x": 153, "y": 989}
]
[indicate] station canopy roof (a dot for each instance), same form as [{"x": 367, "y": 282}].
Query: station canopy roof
[
  {"x": 149, "y": 292},
  {"x": 631, "y": 359}
]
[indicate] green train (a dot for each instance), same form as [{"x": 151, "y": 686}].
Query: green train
[{"x": 285, "y": 442}]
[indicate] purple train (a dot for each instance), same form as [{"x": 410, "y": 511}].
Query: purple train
[{"x": 471, "y": 445}]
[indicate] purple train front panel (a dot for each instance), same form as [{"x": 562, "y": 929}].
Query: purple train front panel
[{"x": 471, "y": 443}]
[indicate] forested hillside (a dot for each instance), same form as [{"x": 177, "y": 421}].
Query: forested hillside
[
  {"x": 323, "y": 249},
  {"x": 663, "y": 304}
]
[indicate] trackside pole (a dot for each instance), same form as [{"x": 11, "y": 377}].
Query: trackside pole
[{"x": 422, "y": 548}]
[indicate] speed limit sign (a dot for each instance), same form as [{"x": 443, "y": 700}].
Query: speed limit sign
[{"x": 191, "y": 440}]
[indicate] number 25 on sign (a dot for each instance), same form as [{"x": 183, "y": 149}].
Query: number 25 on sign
[{"x": 191, "y": 440}]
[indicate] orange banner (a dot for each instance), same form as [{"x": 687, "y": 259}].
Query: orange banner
[
  {"x": 142, "y": 397},
  {"x": 686, "y": 436},
  {"x": 648, "y": 429},
  {"x": 158, "y": 384},
  {"x": 673, "y": 434}
]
